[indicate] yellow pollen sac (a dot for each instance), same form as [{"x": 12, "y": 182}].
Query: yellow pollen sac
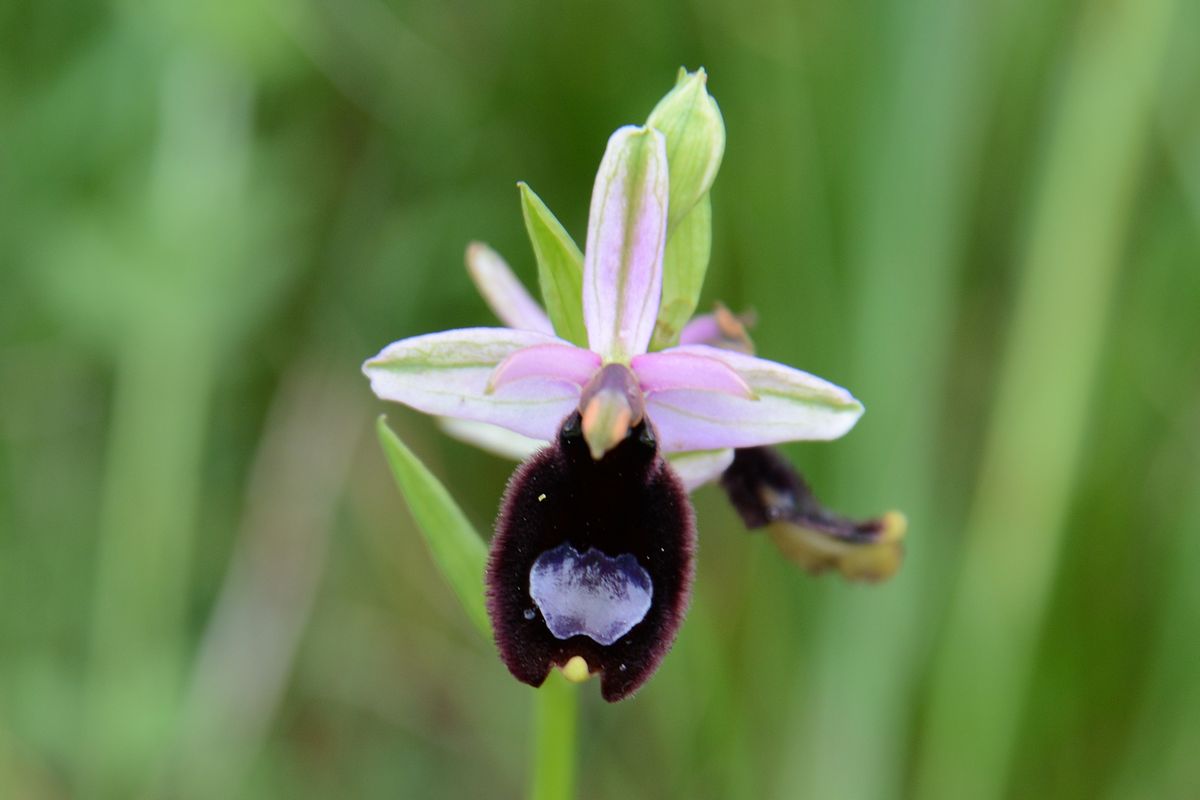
[
  {"x": 895, "y": 525},
  {"x": 576, "y": 670}
]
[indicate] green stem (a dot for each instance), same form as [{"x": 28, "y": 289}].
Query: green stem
[{"x": 555, "y": 717}]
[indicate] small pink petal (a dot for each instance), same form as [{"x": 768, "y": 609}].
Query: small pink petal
[
  {"x": 702, "y": 329},
  {"x": 627, "y": 228},
  {"x": 770, "y": 377},
  {"x": 791, "y": 406},
  {"x": 546, "y": 361},
  {"x": 504, "y": 294},
  {"x": 447, "y": 374},
  {"x": 676, "y": 369}
]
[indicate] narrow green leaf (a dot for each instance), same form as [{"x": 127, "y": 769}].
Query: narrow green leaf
[
  {"x": 560, "y": 267},
  {"x": 685, "y": 263},
  {"x": 455, "y": 545}
]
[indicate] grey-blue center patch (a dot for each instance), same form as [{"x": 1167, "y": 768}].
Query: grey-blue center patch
[{"x": 590, "y": 594}]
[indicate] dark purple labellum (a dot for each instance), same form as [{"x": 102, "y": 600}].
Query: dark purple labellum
[{"x": 591, "y": 559}]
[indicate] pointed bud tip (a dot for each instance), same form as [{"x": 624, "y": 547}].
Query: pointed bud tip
[
  {"x": 630, "y": 132},
  {"x": 684, "y": 75},
  {"x": 691, "y": 121}
]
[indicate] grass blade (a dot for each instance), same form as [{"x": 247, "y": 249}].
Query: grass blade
[{"x": 1032, "y": 452}]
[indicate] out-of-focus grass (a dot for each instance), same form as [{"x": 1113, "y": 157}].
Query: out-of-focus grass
[{"x": 983, "y": 218}]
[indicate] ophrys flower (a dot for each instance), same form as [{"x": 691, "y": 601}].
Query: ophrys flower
[
  {"x": 591, "y": 565},
  {"x": 699, "y": 397}
]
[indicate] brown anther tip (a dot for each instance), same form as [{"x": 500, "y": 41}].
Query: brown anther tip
[
  {"x": 727, "y": 321},
  {"x": 733, "y": 329},
  {"x": 611, "y": 405}
]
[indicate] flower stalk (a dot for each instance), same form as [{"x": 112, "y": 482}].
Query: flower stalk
[{"x": 555, "y": 724}]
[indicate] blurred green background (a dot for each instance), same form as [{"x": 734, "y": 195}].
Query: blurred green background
[{"x": 981, "y": 217}]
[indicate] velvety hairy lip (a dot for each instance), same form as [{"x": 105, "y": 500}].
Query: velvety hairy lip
[{"x": 629, "y": 503}]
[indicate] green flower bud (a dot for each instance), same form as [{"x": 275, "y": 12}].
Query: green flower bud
[
  {"x": 691, "y": 122},
  {"x": 695, "y": 133}
]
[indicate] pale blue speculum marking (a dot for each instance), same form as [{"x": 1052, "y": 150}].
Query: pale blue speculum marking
[{"x": 590, "y": 594}]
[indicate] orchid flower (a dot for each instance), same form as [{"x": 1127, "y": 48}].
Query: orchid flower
[
  {"x": 591, "y": 565},
  {"x": 512, "y": 304},
  {"x": 699, "y": 397}
]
